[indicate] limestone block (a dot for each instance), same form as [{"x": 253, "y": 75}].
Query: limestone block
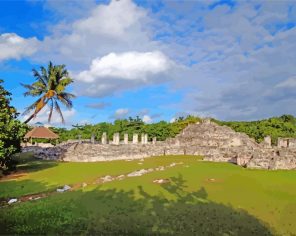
[
  {"x": 135, "y": 138},
  {"x": 282, "y": 143},
  {"x": 267, "y": 141},
  {"x": 292, "y": 143},
  {"x": 142, "y": 138},
  {"x": 116, "y": 139},
  {"x": 125, "y": 141},
  {"x": 104, "y": 138}
]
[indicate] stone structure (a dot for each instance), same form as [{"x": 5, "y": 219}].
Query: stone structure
[
  {"x": 207, "y": 139},
  {"x": 104, "y": 138},
  {"x": 135, "y": 138},
  {"x": 154, "y": 140},
  {"x": 142, "y": 138},
  {"x": 92, "y": 139},
  {"x": 266, "y": 142},
  {"x": 116, "y": 139},
  {"x": 286, "y": 142},
  {"x": 282, "y": 142},
  {"x": 125, "y": 139}
]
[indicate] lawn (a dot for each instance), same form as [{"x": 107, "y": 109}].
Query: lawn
[{"x": 201, "y": 198}]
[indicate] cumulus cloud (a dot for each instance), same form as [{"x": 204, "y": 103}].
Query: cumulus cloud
[
  {"x": 147, "y": 119},
  {"x": 127, "y": 66},
  {"x": 120, "y": 113},
  {"x": 115, "y": 27},
  {"x": 113, "y": 19},
  {"x": 12, "y": 46},
  {"x": 115, "y": 72}
]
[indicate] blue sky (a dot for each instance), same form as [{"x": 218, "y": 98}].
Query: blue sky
[{"x": 156, "y": 59}]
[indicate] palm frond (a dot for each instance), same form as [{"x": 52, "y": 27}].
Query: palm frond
[
  {"x": 39, "y": 77},
  {"x": 63, "y": 83},
  {"x": 44, "y": 74},
  {"x": 58, "y": 109},
  {"x": 66, "y": 101}
]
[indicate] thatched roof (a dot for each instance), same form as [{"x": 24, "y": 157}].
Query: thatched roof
[{"x": 41, "y": 132}]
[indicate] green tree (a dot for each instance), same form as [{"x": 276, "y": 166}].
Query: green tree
[
  {"x": 11, "y": 130},
  {"x": 50, "y": 86}
]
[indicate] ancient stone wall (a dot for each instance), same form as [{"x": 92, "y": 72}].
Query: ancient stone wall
[{"x": 213, "y": 142}]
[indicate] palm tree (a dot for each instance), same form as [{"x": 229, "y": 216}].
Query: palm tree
[{"x": 50, "y": 86}]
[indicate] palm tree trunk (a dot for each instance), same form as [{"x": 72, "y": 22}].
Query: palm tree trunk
[
  {"x": 30, "y": 118},
  {"x": 36, "y": 112}
]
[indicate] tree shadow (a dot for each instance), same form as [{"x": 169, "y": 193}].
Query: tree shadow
[
  {"x": 15, "y": 188},
  {"x": 27, "y": 162},
  {"x": 113, "y": 212}
]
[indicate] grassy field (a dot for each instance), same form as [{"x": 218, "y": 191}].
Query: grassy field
[{"x": 201, "y": 198}]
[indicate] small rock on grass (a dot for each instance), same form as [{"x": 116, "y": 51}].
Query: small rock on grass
[
  {"x": 106, "y": 178},
  {"x": 161, "y": 181},
  {"x": 13, "y": 200},
  {"x": 64, "y": 189}
]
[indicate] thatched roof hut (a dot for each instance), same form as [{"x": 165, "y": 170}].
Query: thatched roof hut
[{"x": 41, "y": 132}]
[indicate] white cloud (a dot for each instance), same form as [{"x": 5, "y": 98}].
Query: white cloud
[
  {"x": 115, "y": 27},
  {"x": 110, "y": 20},
  {"x": 12, "y": 46},
  {"x": 147, "y": 119},
  {"x": 127, "y": 66},
  {"x": 121, "y": 113},
  {"x": 289, "y": 83},
  {"x": 173, "y": 120},
  {"x": 42, "y": 117}
]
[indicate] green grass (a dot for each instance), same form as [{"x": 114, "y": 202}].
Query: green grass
[{"x": 202, "y": 198}]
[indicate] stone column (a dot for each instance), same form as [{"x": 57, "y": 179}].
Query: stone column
[
  {"x": 135, "y": 138},
  {"x": 146, "y": 138},
  {"x": 116, "y": 139},
  {"x": 104, "y": 138},
  {"x": 142, "y": 138},
  {"x": 125, "y": 141},
  {"x": 154, "y": 140},
  {"x": 267, "y": 141},
  {"x": 92, "y": 139},
  {"x": 79, "y": 139}
]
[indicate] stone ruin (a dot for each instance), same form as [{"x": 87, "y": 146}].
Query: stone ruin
[{"x": 210, "y": 140}]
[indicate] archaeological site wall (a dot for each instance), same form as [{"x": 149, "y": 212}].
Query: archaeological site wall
[{"x": 207, "y": 139}]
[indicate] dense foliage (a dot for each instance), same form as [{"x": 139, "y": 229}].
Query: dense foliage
[
  {"x": 11, "y": 130},
  {"x": 283, "y": 126},
  {"x": 160, "y": 130}
]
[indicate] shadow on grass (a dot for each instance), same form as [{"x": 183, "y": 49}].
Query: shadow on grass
[
  {"x": 112, "y": 212},
  {"x": 28, "y": 163},
  {"x": 14, "y": 188}
]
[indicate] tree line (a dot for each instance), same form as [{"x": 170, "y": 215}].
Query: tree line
[{"x": 161, "y": 130}]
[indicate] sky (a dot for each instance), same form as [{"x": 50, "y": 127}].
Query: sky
[{"x": 231, "y": 60}]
